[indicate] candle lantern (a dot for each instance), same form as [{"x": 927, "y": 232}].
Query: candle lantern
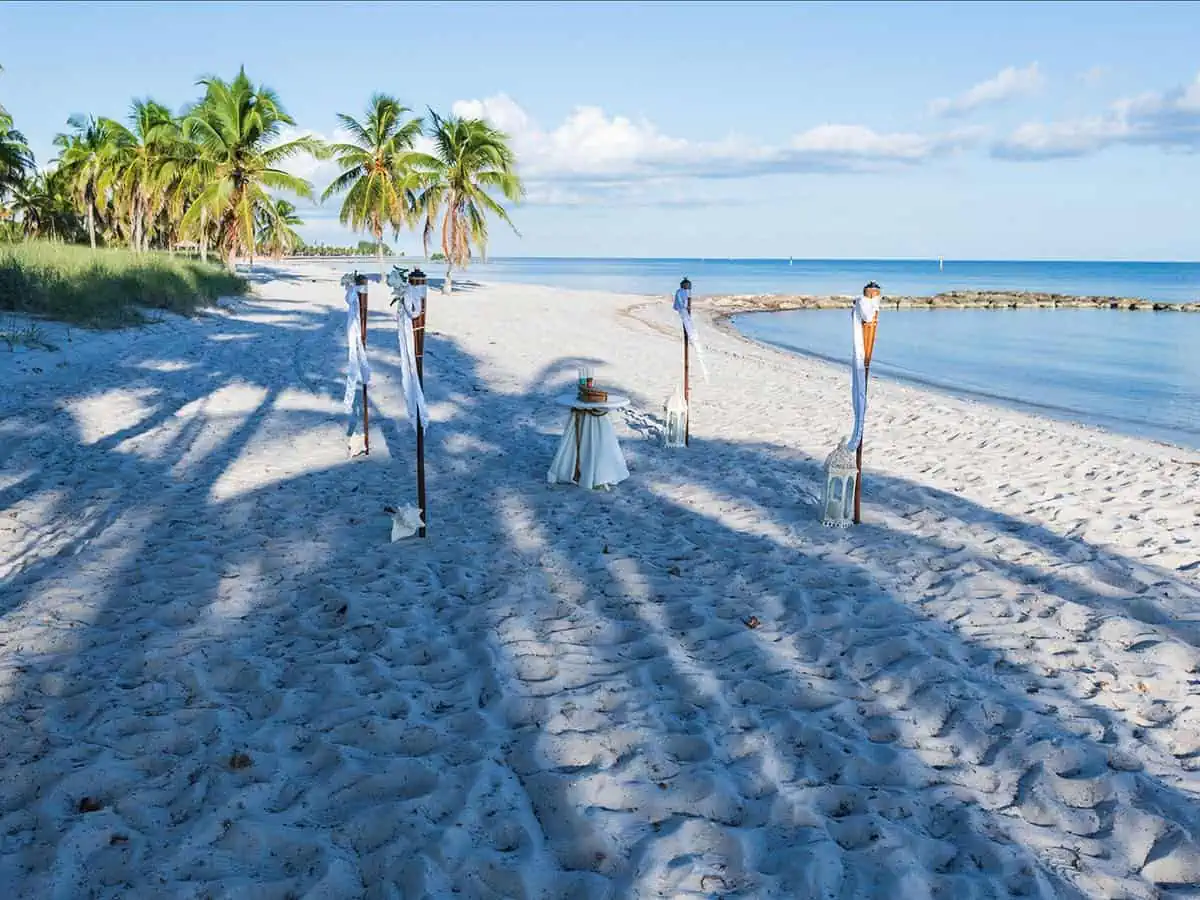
[
  {"x": 677, "y": 416},
  {"x": 841, "y": 482}
]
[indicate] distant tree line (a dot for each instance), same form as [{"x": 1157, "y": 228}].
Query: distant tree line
[
  {"x": 209, "y": 178},
  {"x": 362, "y": 248}
]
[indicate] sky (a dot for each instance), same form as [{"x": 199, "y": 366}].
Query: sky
[{"x": 891, "y": 130}]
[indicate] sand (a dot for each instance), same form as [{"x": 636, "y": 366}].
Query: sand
[{"x": 219, "y": 678}]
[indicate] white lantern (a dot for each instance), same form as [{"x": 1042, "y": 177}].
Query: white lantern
[
  {"x": 841, "y": 480},
  {"x": 677, "y": 413}
]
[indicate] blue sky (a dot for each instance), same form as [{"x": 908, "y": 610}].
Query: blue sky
[{"x": 995, "y": 131}]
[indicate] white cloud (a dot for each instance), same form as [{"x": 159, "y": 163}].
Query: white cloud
[
  {"x": 591, "y": 146},
  {"x": 1170, "y": 119},
  {"x": 1007, "y": 83},
  {"x": 318, "y": 172},
  {"x": 593, "y": 157},
  {"x": 1094, "y": 75},
  {"x": 850, "y": 142}
]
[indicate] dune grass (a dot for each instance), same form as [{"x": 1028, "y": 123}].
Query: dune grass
[{"x": 106, "y": 288}]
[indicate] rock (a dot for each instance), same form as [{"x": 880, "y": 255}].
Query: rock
[{"x": 739, "y": 303}]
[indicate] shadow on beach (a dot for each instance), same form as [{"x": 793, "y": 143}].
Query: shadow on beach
[{"x": 558, "y": 690}]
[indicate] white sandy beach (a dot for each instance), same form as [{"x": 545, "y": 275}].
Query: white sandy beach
[{"x": 220, "y": 679}]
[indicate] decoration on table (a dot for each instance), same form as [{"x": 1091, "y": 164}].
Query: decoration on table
[
  {"x": 358, "y": 370},
  {"x": 588, "y": 392},
  {"x": 865, "y": 321},
  {"x": 409, "y": 299},
  {"x": 841, "y": 479},
  {"x": 676, "y": 431}
]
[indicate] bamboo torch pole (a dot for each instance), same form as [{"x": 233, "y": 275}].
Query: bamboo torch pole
[
  {"x": 868, "y": 348},
  {"x": 687, "y": 393},
  {"x": 417, "y": 277},
  {"x": 360, "y": 282},
  {"x": 687, "y": 376}
]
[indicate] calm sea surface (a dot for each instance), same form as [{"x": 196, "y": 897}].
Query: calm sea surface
[
  {"x": 1170, "y": 282},
  {"x": 1132, "y": 372}
]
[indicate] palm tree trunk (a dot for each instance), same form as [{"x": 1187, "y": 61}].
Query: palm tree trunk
[
  {"x": 448, "y": 224},
  {"x": 379, "y": 248},
  {"x": 92, "y": 224},
  {"x": 203, "y": 235}
]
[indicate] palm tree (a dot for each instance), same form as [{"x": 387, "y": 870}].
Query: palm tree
[
  {"x": 273, "y": 228},
  {"x": 235, "y": 125},
  {"x": 135, "y": 156},
  {"x": 16, "y": 159},
  {"x": 380, "y": 169},
  {"x": 84, "y": 159},
  {"x": 470, "y": 161},
  {"x": 183, "y": 174},
  {"x": 44, "y": 204}
]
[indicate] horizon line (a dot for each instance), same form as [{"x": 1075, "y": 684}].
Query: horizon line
[{"x": 933, "y": 259}]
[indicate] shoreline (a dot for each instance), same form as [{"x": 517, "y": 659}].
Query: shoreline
[
  {"x": 719, "y": 313},
  {"x": 1052, "y": 415}
]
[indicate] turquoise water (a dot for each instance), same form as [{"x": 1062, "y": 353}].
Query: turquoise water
[
  {"x": 1136, "y": 373},
  {"x": 1132, "y": 372},
  {"x": 1164, "y": 281}
]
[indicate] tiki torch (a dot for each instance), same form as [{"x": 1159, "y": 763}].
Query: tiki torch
[
  {"x": 417, "y": 278},
  {"x": 360, "y": 282},
  {"x": 868, "y": 320}
]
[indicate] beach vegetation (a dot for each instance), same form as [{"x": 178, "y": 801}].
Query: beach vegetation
[
  {"x": 362, "y": 248},
  {"x": 381, "y": 171},
  {"x": 84, "y": 162},
  {"x": 237, "y": 126},
  {"x": 216, "y": 178},
  {"x": 16, "y": 161},
  {"x": 473, "y": 169},
  {"x": 275, "y": 231},
  {"x": 106, "y": 287}
]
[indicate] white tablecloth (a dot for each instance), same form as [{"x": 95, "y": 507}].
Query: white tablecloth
[{"x": 589, "y": 454}]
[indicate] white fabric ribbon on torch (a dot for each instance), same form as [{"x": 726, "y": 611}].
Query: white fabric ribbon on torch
[
  {"x": 865, "y": 310},
  {"x": 682, "y": 296},
  {"x": 409, "y": 306},
  {"x": 358, "y": 372}
]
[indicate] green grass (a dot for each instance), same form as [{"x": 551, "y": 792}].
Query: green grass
[
  {"x": 106, "y": 288},
  {"x": 31, "y": 335}
]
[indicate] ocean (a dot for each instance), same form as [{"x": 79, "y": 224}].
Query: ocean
[
  {"x": 1136, "y": 373},
  {"x": 1164, "y": 281}
]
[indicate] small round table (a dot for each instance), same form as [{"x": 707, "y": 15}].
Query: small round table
[{"x": 589, "y": 454}]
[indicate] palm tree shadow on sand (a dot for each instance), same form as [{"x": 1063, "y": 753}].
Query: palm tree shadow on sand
[{"x": 558, "y": 689}]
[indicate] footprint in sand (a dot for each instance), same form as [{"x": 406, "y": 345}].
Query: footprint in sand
[
  {"x": 687, "y": 749},
  {"x": 507, "y": 837},
  {"x": 534, "y": 669}
]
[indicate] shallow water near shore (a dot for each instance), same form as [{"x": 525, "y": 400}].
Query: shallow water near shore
[{"x": 1135, "y": 373}]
